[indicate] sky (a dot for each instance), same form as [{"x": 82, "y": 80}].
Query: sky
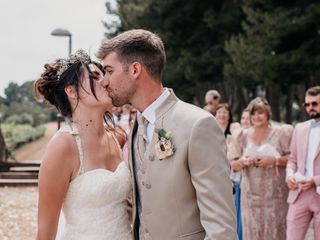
[{"x": 26, "y": 43}]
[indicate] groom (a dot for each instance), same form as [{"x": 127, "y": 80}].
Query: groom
[{"x": 178, "y": 153}]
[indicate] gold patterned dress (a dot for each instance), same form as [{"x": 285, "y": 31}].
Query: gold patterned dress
[{"x": 263, "y": 193}]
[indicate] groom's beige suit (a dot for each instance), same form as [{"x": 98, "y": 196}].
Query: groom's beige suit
[{"x": 189, "y": 194}]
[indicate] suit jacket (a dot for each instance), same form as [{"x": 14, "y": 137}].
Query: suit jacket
[
  {"x": 189, "y": 194},
  {"x": 298, "y": 157}
]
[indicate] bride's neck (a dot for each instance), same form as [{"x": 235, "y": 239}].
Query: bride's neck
[{"x": 89, "y": 125}]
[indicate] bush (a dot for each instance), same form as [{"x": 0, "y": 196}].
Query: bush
[
  {"x": 17, "y": 135},
  {"x": 24, "y": 118},
  {"x": 13, "y": 119}
]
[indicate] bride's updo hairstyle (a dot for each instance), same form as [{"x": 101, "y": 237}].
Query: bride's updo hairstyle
[{"x": 60, "y": 74}]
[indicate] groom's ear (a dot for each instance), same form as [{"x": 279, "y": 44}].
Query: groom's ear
[{"x": 135, "y": 69}]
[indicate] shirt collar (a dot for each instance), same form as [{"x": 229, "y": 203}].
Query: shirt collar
[
  {"x": 314, "y": 123},
  {"x": 150, "y": 112}
]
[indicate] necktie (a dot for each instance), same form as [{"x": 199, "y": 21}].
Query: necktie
[{"x": 142, "y": 135}]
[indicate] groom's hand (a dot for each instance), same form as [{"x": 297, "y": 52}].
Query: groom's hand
[
  {"x": 292, "y": 184},
  {"x": 307, "y": 184}
]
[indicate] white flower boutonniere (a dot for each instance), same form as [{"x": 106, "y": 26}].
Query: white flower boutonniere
[{"x": 164, "y": 147}]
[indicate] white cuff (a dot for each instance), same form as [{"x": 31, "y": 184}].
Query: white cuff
[{"x": 289, "y": 175}]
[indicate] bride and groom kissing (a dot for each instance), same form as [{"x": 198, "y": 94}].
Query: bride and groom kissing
[{"x": 176, "y": 184}]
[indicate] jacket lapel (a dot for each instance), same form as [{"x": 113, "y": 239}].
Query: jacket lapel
[
  {"x": 163, "y": 109},
  {"x": 131, "y": 153},
  {"x": 131, "y": 145},
  {"x": 159, "y": 123},
  {"x": 317, "y": 153}
]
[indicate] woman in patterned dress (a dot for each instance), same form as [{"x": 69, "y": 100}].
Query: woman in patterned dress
[{"x": 261, "y": 153}]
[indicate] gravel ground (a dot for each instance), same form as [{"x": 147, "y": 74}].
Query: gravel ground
[{"x": 18, "y": 213}]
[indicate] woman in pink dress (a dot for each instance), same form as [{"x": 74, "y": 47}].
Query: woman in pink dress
[{"x": 261, "y": 153}]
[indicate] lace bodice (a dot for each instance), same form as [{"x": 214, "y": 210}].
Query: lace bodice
[{"x": 95, "y": 205}]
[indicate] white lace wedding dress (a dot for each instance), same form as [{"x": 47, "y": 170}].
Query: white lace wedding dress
[{"x": 95, "y": 206}]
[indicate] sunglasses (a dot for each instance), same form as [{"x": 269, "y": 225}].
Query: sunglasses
[{"x": 313, "y": 104}]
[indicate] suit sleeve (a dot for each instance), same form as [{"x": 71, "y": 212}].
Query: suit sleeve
[
  {"x": 209, "y": 170},
  {"x": 292, "y": 160}
]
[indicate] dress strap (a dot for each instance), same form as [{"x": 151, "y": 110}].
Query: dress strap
[{"x": 73, "y": 130}]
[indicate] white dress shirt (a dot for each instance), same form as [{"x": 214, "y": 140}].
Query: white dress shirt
[
  {"x": 313, "y": 144},
  {"x": 150, "y": 112}
]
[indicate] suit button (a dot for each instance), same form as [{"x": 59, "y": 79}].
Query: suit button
[
  {"x": 146, "y": 230},
  {"x": 143, "y": 171},
  {"x": 142, "y": 183},
  {"x": 148, "y": 186},
  {"x": 151, "y": 158}
]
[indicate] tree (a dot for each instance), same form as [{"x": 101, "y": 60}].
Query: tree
[
  {"x": 19, "y": 101},
  {"x": 12, "y": 93},
  {"x": 194, "y": 33},
  {"x": 278, "y": 50},
  {"x": 242, "y": 48}
]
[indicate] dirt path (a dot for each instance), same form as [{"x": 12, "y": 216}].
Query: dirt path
[
  {"x": 18, "y": 213},
  {"x": 35, "y": 150}
]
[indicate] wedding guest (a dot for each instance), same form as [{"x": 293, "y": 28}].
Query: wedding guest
[
  {"x": 236, "y": 175},
  {"x": 209, "y": 109},
  {"x": 126, "y": 124},
  {"x": 303, "y": 172},
  {"x": 82, "y": 170},
  {"x": 245, "y": 119},
  {"x": 116, "y": 114},
  {"x": 133, "y": 115},
  {"x": 212, "y": 100},
  {"x": 224, "y": 119},
  {"x": 178, "y": 159},
  {"x": 261, "y": 152}
]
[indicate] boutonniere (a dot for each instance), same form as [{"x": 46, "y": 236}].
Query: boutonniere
[{"x": 164, "y": 147}]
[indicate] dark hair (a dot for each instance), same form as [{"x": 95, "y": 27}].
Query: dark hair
[
  {"x": 50, "y": 86},
  {"x": 228, "y": 108},
  {"x": 138, "y": 45},
  {"x": 313, "y": 91}
]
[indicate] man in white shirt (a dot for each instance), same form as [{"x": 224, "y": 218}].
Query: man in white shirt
[{"x": 303, "y": 172}]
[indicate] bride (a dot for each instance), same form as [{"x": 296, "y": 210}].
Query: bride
[{"x": 82, "y": 171}]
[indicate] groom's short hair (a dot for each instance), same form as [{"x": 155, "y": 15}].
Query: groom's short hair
[
  {"x": 313, "y": 91},
  {"x": 137, "y": 45}
]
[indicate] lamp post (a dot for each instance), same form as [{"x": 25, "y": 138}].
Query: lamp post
[
  {"x": 59, "y": 32},
  {"x": 2, "y": 144}
]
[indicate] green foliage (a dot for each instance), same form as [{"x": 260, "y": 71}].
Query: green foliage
[
  {"x": 17, "y": 135},
  {"x": 279, "y": 43},
  {"x": 24, "y": 118},
  {"x": 278, "y": 52},
  {"x": 13, "y": 119},
  {"x": 194, "y": 33},
  {"x": 20, "y": 107}
]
